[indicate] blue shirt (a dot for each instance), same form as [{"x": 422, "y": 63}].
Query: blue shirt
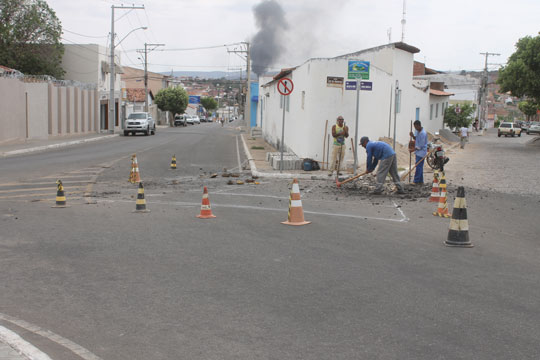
[
  {"x": 421, "y": 143},
  {"x": 377, "y": 150}
]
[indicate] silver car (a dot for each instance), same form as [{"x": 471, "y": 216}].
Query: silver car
[
  {"x": 140, "y": 122},
  {"x": 534, "y": 128}
]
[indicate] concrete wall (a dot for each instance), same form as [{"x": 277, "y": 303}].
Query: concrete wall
[{"x": 39, "y": 110}]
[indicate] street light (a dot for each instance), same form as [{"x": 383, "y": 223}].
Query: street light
[{"x": 112, "y": 110}]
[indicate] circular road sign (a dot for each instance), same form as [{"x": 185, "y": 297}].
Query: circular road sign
[{"x": 285, "y": 86}]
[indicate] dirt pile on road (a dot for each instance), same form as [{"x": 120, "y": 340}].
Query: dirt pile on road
[
  {"x": 402, "y": 152},
  {"x": 533, "y": 142}
]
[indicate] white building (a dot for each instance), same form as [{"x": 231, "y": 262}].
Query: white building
[
  {"x": 89, "y": 63},
  {"x": 321, "y": 93}
]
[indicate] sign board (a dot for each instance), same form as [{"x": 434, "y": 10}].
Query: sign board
[
  {"x": 366, "y": 85},
  {"x": 334, "y": 81},
  {"x": 358, "y": 69},
  {"x": 285, "y": 86},
  {"x": 350, "y": 85},
  {"x": 194, "y": 99}
]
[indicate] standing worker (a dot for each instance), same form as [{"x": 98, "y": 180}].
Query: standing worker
[
  {"x": 420, "y": 150},
  {"x": 464, "y": 135},
  {"x": 381, "y": 151},
  {"x": 340, "y": 132}
]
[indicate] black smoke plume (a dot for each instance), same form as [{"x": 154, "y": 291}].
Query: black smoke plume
[{"x": 267, "y": 44}]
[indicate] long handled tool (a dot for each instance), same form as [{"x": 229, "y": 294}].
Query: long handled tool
[
  {"x": 339, "y": 162},
  {"x": 338, "y": 183},
  {"x": 414, "y": 167}
]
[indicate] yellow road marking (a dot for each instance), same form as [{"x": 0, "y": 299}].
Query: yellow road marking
[
  {"x": 38, "y": 195},
  {"x": 53, "y": 188}
]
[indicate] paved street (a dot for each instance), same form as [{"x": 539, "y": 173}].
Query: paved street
[{"x": 370, "y": 278}]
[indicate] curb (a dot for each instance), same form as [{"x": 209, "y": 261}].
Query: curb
[
  {"x": 21, "y": 346},
  {"x": 255, "y": 172},
  {"x": 54, "y": 146}
]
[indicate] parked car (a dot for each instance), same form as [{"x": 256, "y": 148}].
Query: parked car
[
  {"x": 196, "y": 119},
  {"x": 508, "y": 128},
  {"x": 203, "y": 118},
  {"x": 189, "y": 119},
  {"x": 525, "y": 125},
  {"x": 180, "y": 120},
  {"x": 534, "y": 128},
  {"x": 140, "y": 122}
]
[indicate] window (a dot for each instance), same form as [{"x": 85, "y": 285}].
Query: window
[
  {"x": 437, "y": 110},
  {"x": 417, "y": 114},
  {"x": 431, "y": 112}
]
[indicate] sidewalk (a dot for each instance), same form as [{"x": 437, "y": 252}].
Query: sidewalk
[{"x": 12, "y": 148}]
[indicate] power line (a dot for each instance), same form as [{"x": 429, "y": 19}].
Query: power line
[{"x": 88, "y": 36}]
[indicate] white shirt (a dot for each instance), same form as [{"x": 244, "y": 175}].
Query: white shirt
[{"x": 464, "y": 131}]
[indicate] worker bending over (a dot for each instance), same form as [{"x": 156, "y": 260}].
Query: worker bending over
[{"x": 381, "y": 151}]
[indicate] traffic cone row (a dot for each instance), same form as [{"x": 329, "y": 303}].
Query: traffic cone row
[{"x": 442, "y": 208}]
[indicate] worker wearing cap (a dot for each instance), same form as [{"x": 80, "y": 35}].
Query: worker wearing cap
[
  {"x": 340, "y": 132},
  {"x": 381, "y": 151},
  {"x": 420, "y": 151}
]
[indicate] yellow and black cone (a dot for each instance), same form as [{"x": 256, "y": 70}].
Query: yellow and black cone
[
  {"x": 458, "y": 234},
  {"x": 60, "y": 195},
  {"x": 141, "y": 202},
  {"x": 173, "y": 162}
]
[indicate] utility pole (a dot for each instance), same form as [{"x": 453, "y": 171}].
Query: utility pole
[
  {"x": 247, "y": 107},
  {"x": 482, "y": 98},
  {"x": 145, "y": 51},
  {"x": 112, "y": 110}
]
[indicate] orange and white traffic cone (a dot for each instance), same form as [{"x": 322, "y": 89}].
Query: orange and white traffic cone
[
  {"x": 296, "y": 213},
  {"x": 435, "y": 188},
  {"x": 134, "y": 176},
  {"x": 442, "y": 207},
  {"x": 206, "y": 210}
]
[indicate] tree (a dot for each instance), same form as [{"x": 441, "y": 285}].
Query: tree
[
  {"x": 30, "y": 38},
  {"x": 528, "y": 108},
  {"x": 456, "y": 116},
  {"x": 174, "y": 100},
  {"x": 209, "y": 103},
  {"x": 521, "y": 75}
]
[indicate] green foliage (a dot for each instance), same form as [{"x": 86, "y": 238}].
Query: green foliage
[
  {"x": 497, "y": 123},
  {"x": 455, "y": 120},
  {"x": 528, "y": 108},
  {"x": 521, "y": 75},
  {"x": 174, "y": 100},
  {"x": 30, "y": 38},
  {"x": 209, "y": 103}
]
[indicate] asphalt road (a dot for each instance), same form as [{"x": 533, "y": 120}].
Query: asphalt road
[{"x": 369, "y": 278}]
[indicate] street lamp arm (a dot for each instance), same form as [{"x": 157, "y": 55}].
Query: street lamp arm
[{"x": 139, "y": 28}]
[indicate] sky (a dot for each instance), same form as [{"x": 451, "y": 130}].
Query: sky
[{"x": 450, "y": 34}]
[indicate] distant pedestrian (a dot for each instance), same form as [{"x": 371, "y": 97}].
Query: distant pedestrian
[
  {"x": 340, "y": 132},
  {"x": 475, "y": 125},
  {"x": 464, "y": 136},
  {"x": 420, "y": 150},
  {"x": 381, "y": 151}
]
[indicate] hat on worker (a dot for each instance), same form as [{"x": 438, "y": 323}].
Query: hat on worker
[{"x": 363, "y": 140}]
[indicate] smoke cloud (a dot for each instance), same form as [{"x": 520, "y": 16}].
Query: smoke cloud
[{"x": 267, "y": 44}]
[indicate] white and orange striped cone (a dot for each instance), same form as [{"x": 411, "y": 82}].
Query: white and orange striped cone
[
  {"x": 206, "y": 210},
  {"x": 442, "y": 207},
  {"x": 458, "y": 234},
  {"x": 435, "y": 188},
  {"x": 134, "y": 176},
  {"x": 296, "y": 213}
]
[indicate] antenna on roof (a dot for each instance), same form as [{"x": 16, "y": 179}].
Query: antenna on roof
[
  {"x": 403, "y": 22},
  {"x": 389, "y": 33}
]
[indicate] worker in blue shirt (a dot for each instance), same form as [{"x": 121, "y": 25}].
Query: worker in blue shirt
[
  {"x": 381, "y": 151},
  {"x": 420, "y": 150}
]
